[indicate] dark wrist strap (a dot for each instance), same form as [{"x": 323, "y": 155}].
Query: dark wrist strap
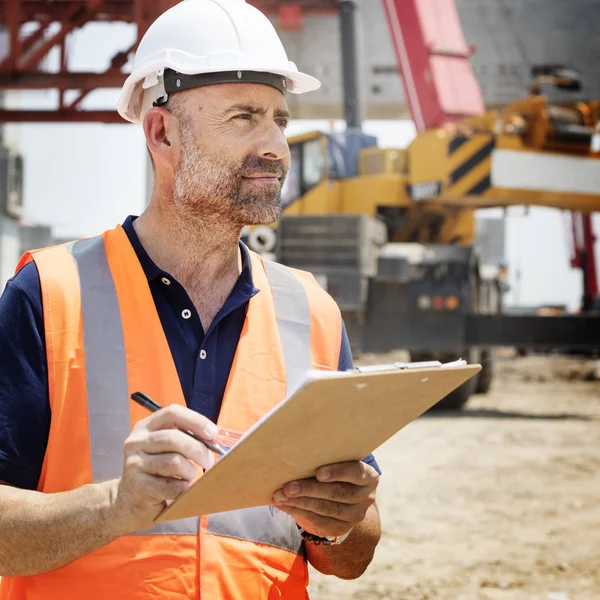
[{"x": 323, "y": 541}]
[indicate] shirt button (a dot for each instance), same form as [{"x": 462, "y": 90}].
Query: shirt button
[
  {"x": 202, "y": 354},
  {"x": 166, "y": 281},
  {"x": 187, "y": 313}
]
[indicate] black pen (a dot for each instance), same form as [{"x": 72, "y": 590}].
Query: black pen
[{"x": 147, "y": 402}]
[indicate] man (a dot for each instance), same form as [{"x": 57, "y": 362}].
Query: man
[{"x": 173, "y": 305}]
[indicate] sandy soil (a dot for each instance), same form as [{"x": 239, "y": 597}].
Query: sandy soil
[{"x": 499, "y": 502}]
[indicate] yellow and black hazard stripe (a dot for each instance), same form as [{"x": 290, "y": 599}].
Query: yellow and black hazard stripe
[{"x": 470, "y": 164}]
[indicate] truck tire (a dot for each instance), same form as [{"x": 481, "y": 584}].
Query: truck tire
[
  {"x": 457, "y": 399},
  {"x": 485, "y": 377}
]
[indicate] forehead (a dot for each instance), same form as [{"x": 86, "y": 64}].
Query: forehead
[{"x": 222, "y": 96}]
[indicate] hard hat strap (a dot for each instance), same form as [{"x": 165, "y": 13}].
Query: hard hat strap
[{"x": 178, "y": 82}]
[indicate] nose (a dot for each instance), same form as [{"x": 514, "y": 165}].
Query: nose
[{"x": 272, "y": 143}]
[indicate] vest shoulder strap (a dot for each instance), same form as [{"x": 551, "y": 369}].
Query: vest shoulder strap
[
  {"x": 325, "y": 320},
  {"x": 61, "y": 300}
]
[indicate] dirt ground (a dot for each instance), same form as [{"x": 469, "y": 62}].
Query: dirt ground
[{"x": 498, "y": 502}]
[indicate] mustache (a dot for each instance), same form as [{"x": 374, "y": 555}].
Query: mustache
[{"x": 257, "y": 164}]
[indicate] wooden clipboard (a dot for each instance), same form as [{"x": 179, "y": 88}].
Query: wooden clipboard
[{"x": 334, "y": 417}]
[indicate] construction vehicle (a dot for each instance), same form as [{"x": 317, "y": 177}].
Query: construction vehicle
[{"x": 390, "y": 232}]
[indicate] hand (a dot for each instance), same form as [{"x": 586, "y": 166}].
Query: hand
[
  {"x": 159, "y": 464},
  {"x": 334, "y": 502}
]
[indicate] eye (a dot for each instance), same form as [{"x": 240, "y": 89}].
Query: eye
[
  {"x": 283, "y": 123},
  {"x": 244, "y": 117}
]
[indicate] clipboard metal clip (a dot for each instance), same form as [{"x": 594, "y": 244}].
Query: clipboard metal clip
[{"x": 427, "y": 364}]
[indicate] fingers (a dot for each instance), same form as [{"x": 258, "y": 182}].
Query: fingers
[
  {"x": 170, "y": 465},
  {"x": 160, "y": 489},
  {"x": 160, "y": 464},
  {"x": 348, "y": 513},
  {"x": 315, "y": 523},
  {"x": 355, "y": 472},
  {"x": 334, "y": 502},
  {"x": 180, "y": 417},
  {"x": 345, "y": 493},
  {"x": 347, "y": 483},
  {"x": 165, "y": 441}
]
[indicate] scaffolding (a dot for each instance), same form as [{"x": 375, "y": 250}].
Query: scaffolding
[{"x": 48, "y": 25}]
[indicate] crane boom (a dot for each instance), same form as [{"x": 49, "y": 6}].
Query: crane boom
[
  {"x": 441, "y": 89},
  {"x": 433, "y": 60}
]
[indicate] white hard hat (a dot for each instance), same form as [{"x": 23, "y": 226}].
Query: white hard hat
[{"x": 203, "y": 42}]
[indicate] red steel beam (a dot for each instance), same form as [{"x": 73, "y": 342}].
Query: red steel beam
[
  {"x": 318, "y": 7},
  {"x": 73, "y": 19},
  {"x": 25, "y": 46},
  {"x": 60, "y": 116},
  {"x": 63, "y": 70},
  {"x": 12, "y": 15},
  {"x": 33, "y": 38},
  {"x": 123, "y": 10},
  {"x": 20, "y": 70},
  {"x": 35, "y": 80},
  {"x": 34, "y": 10},
  {"x": 140, "y": 17},
  {"x": 117, "y": 62}
]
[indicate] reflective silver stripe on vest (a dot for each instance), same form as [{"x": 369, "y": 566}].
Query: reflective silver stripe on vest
[
  {"x": 293, "y": 321},
  {"x": 261, "y": 525},
  {"x": 106, "y": 367},
  {"x": 108, "y": 398},
  {"x": 264, "y": 525},
  {"x": 180, "y": 527},
  {"x": 106, "y": 371}
]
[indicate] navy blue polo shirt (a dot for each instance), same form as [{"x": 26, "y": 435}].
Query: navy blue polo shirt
[{"x": 24, "y": 402}]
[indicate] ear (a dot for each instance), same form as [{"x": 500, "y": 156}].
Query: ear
[{"x": 161, "y": 129}]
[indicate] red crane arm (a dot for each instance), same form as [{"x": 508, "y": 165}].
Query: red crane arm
[
  {"x": 584, "y": 257},
  {"x": 433, "y": 61},
  {"x": 441, "y": 88}
]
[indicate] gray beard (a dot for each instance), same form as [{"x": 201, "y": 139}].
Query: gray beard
[{"x": 207, "y": 186}]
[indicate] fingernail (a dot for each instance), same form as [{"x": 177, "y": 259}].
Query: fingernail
[
  {"x": 292, "y": 488},
  {"x": 324, "y": 474},
  {"x": 279, "y": 496},
  {"x": 211, "y": 430}
]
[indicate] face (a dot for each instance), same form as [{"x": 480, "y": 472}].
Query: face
[{"x": 233, "y": 155}]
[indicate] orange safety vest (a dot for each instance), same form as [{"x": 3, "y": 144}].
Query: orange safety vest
[{"x": 104, "y": 341}]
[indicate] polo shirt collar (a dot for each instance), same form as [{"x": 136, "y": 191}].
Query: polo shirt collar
[{"x": 152, "y": 271}]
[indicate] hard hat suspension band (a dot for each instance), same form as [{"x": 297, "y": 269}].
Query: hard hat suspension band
[{"x": 178, "y": 82}]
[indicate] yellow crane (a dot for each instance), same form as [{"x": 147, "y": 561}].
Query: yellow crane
[
  {"x": 532, "y": 152},
  {"x": 390, "y": 232}
]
